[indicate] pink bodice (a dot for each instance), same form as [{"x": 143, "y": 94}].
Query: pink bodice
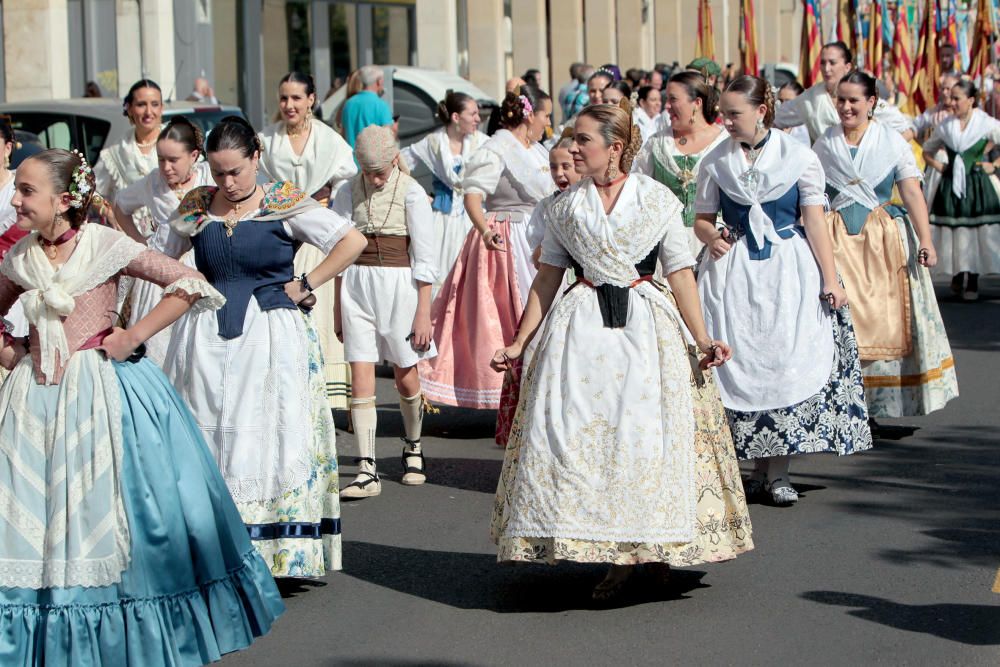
[{"x": 95, "y": 311}]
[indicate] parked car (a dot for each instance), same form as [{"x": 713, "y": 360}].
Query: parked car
[
  {"x": 413, "y": 93},
  {"x": 27, "y": 145},
  {"x": 89, "y": 124}
]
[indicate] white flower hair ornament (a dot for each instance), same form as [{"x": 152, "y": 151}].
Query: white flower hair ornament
[
  {"x": 526, "y": 108},
  {"x": 80, "y": 186}
]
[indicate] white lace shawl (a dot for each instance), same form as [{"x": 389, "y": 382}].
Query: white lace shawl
[
  {"x": 856, "y": 178},
  {"x": 780, "y": 164},
  {"x": 434, "y": 151},
  {"x": 326, "y": 157},
  {"x": 49, "y": 293},
  {"x": 951, "y": 133}
]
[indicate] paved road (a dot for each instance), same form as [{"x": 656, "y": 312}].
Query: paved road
[{"x": 889, "y": 557}]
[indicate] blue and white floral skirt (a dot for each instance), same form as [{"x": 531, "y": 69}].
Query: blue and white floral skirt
[
  {"x": 833, "y": 420},
  {"x": 298, "y": 533}
]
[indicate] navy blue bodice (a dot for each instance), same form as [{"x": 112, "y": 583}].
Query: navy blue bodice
[
  {"x": 255, "y": 261},
  {"x": 784, "y": 211}
]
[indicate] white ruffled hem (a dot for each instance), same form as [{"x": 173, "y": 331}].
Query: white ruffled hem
[{"x": 211, "y": 298}]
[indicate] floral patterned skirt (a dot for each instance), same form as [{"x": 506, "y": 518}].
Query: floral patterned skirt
[
  {"x": 298, "y": 533},
  {"x": 833, "y": 420},
  {"x": 722, "y": 530},
  {"x": 924, "y": 380}
]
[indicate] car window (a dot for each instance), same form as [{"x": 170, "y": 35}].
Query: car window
[
  {"x": 53, "y": 130},
  {"x": 93, "y": 134},
  {"x": 416, "y": 112},
  {"x": 204, "y": 119}
]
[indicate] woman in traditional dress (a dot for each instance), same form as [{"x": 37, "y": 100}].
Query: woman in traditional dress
[
  {"x": 564, "y": 175},
  {"x": 619, "y": 452},
  {"x": 649, "y": 106},
  {"x": 179, "y": 148},
  {"x": 10, "y": 233},
  {"x": 770, "y": 288},
  {"x": 384, "y": 306},
  {"x": 134, "y": 156},
  {"x": 882, "y": 254},
  {"x": 923, "y": 128},
  {"x": 445, "y": 153},
  {"x": 673, "y": 155},
  {"x": 479, "y": 305},
  {"x": 306, "y": 152},
  {"x": 121, "y": 544},
  {"x": 615, "y": 92},
  {"x": 253, "y": 372},
  {"x": 965, "y": 213},
  {"x": 815, "y": 108}
]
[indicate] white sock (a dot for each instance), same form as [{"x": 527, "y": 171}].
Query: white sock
[
  {"x": 778, "y": 468},
  {"x": 365, "y": 420},
  {"x": 412, "y": 410}
]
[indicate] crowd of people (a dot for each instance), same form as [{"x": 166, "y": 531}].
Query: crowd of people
[{"x": 694, "y": 269}]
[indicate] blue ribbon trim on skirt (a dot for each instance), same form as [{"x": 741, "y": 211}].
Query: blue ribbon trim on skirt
[{"x": 293, "y": 529}]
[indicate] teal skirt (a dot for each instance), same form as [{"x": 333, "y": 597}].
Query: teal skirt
[{"x": 194, "y": 588}]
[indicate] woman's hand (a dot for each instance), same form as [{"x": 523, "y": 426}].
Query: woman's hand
[
  {"x": 295, "y": 291},
  {"x": 716, "y": 354},
  {"x": 834, "y": 295},
  {"x": 720, "y": 245},
  {"x": 988, "y": 167},
  {"x": 119, "y": 344},
  {"x": 420, "y": 334},
  {"x": 927, "y": 255},
  {"x": 11, "y": 354},
  {"x": 493, "y": 240},
  {"x": 502, "y": 359}
]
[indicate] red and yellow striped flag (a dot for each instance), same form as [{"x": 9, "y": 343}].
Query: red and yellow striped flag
[
  {"x": 924, "y": 84},
  {"x": 901, "y": 56},
  {"x": 811, "y": 43},
  {"x": 847, "y": 24},
  {"x": 748, "y": 39},
  {"x": 875, "y": 38},
  {"x": 981, "y": 48},
  {"x": 706, "y": 34}
]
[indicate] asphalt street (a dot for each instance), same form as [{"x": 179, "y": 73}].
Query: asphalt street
[{"x": 889, "y": 557}]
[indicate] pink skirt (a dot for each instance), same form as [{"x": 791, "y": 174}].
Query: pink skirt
[{"x": 474, "y": 315}]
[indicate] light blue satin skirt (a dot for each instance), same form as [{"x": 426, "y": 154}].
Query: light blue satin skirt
[{"x": 194, "y": 589}]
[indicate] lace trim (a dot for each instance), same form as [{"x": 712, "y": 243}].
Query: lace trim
[
  {"x": 534, "y": 184},
  {"x": 120, "y": 253},
  {"x": 209, "y": 297}
]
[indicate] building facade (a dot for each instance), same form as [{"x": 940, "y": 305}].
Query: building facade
[{"x": 53, "y": 48}]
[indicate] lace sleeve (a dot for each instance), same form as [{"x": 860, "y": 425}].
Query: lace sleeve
[{"x": 175, "y": 279}]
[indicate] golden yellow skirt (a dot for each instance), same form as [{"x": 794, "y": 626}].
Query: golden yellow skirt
[{"x": 873, "y": 266}]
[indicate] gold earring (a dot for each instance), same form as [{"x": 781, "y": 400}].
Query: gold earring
[{"x": 612, "y": 169}]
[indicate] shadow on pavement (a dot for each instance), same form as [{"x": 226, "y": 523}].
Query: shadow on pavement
[
  {"x": 977, "y": 625},
  {"x": 290, "y": 587},
  {"x": 946, "y": 488},
  {"x": 477, "y": 581}
]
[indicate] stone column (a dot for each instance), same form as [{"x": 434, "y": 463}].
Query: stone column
[
  {"x": 566, "y": 33},
  {"x": 530, "y": 39},
  {"x": 599, "y": 23},
  {"x": 437, "y": 38},
  {"x": 635, "y": 34},
  {"x": 36, "y": 49},
  {"x": 669, "y": 29},
  {"x": 128, "y": 42},
  {"x": 157, "y": 19},
  {"x": 486, "y": 46}
]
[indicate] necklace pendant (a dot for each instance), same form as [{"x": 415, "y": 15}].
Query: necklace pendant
[{"x": 683, "y": 141}]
